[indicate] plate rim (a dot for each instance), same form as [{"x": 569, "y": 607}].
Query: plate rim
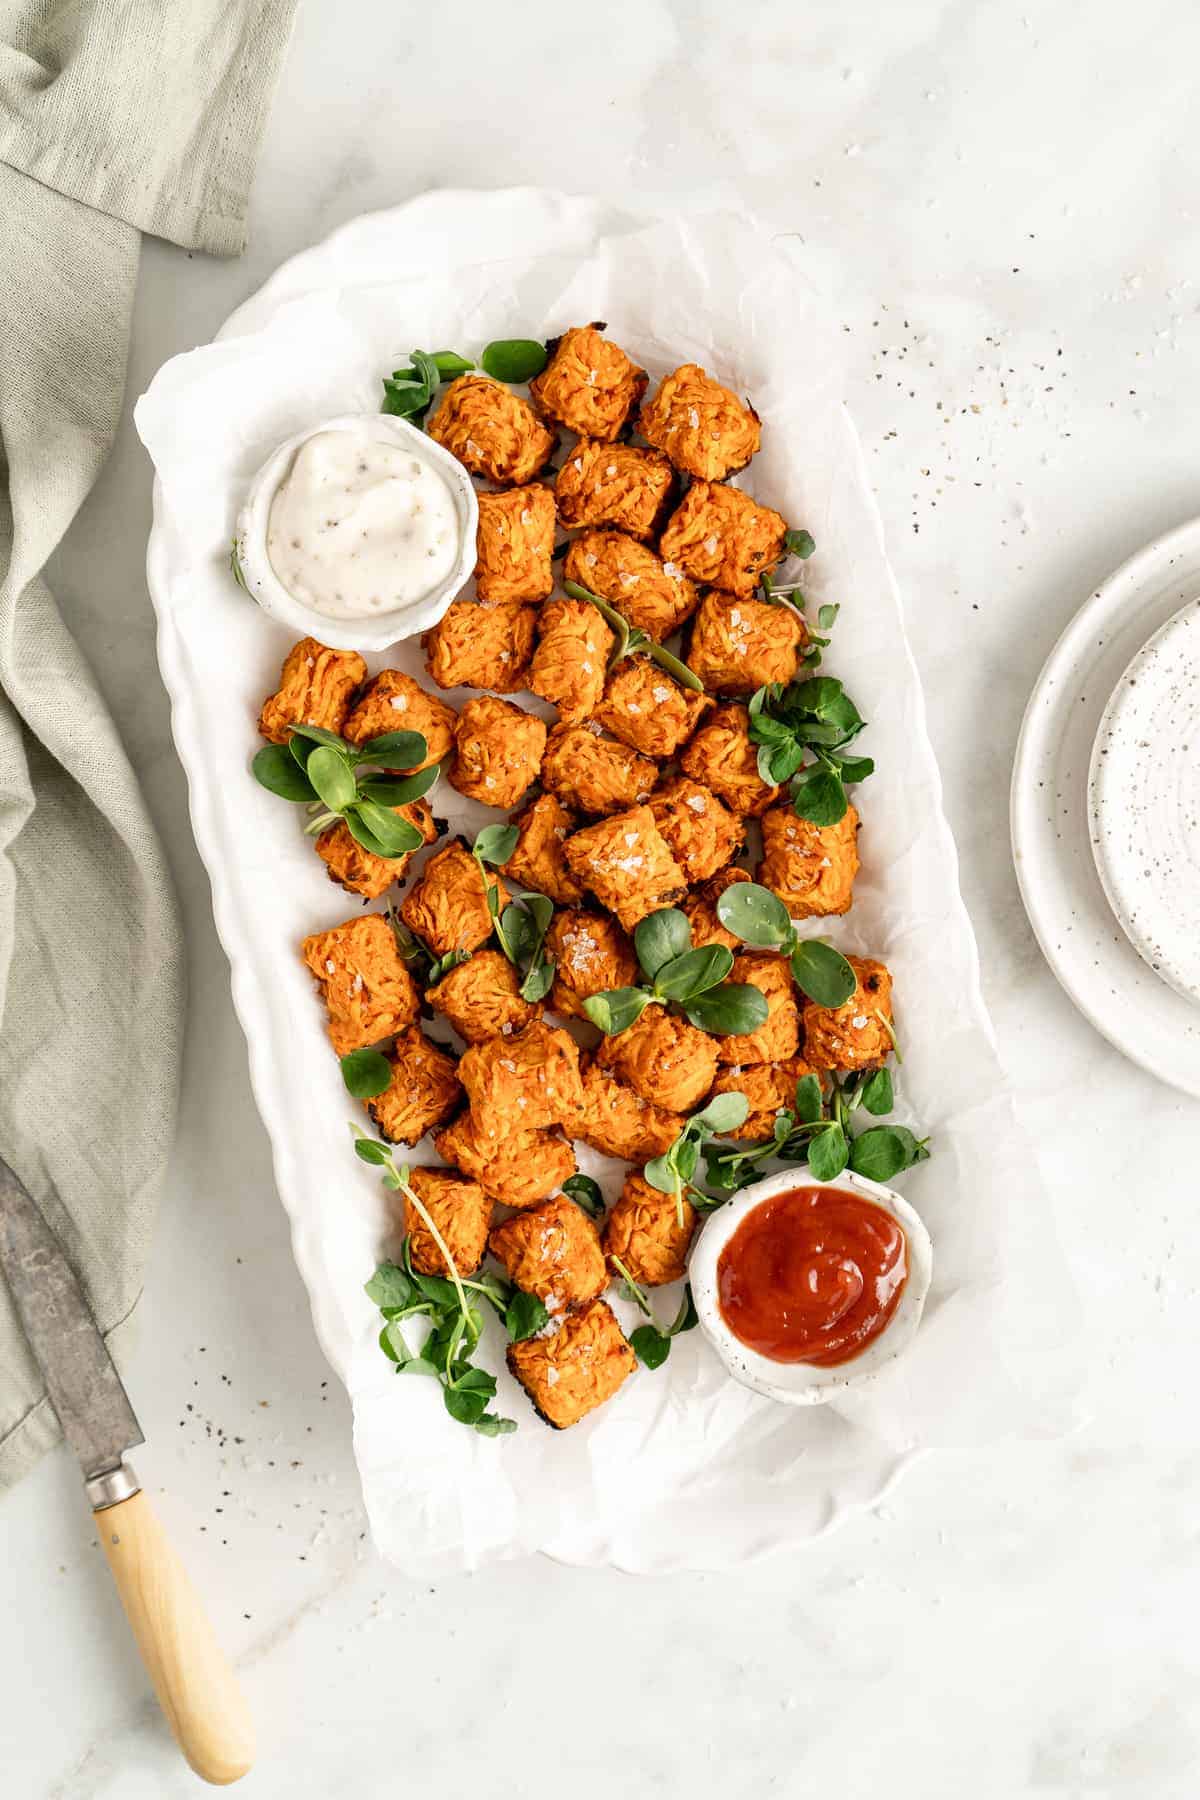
[{"x": 1022, "y": 789}]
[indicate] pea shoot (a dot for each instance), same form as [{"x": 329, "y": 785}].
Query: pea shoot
[
  {"x": 816, "y": 1130},
  {"x": 408, "y": 393},
  {"x": 514, "y": 359},
  {"x": 356, "y": 783},
  {"x": 455, "y": 1321},
  {"x": 521, "y": 928},
  {"x": 585, "y": 1193},
  {"x": 677, "y": 974},
  {"x": 671, "y": 1173},
  {"x": 652, "y": 1342},
  {"x": 760, "y": 918},
  {"x": 814, "y": 715},
  {"x": 631, "y": 641},
  {"x": 521, "y": 933},
  {"x": 800, "y": 545}
]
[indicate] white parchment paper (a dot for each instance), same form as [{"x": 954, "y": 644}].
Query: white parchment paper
[{"x": 684, "y": 1468}]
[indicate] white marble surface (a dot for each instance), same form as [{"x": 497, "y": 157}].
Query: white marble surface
[{"x": 1006, "y": 205}]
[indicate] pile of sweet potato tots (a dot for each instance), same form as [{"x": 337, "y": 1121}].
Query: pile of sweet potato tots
[{"x": 638, "y": 797}]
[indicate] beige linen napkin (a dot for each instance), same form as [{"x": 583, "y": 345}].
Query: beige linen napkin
[{"x": 116, "y": 117}]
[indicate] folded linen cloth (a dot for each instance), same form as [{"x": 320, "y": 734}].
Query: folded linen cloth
[{"x": 117, "y": 117}]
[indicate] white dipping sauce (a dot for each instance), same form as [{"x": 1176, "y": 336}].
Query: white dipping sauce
[{"x": 358, "y": 526}]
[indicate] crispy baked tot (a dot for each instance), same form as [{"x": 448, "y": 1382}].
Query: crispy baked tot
[
  {"x": 614, "y": 484},
  {"x": 518, "y": 1168},
  {"x": 663, "y": 1058},
  {"x": 360, "y": 871},
  {"x": 618, "y": 1122},
  {"x": 702, "y": 835},
  {"x": 811, "y": 868},
  {"x": 462, "y": 1213},
  {"x": 627, "y": 864},
  {"x": 447, "y": 906},
  {"x": 539, "y": 860},
  {"x": 423, "y": 1092},
  {"x": 577, "y": 1369},
  {"x": 591, "y": 954},
  {"x": 393, "y": 701},
  {"x": 738, "y": 645},
  {"x": 553, "y": 1251},
  {"x": 316, "y": 687},
  {"x": 593, "y": 774},
  {"x": 853, "y": 1035},
  {"x": 589, "y": 385},
  {"x": 721, "y": 536},
  {"x": 492, "y": 431},
  {"x": 769, "y": 1087},
  {"x": 703, "y": 427},
  {"x": 724, "y": 756},
  {"x": 571, "y": 659},
  {"x": 700, "y": 910},
  {"x": 368, "y": 993},
  {"x": 481, "y": 998},
  {"x": 778, "y": 1037},
  {"x": 643, "y": 1233},
  {"x": 655, "y": 597},
  {"x": 497, "y": 751},
  {"x": 644, "y": 708},
  {"x": 514, "y": 543},
  {"x": 482, "y": 646},
  {"x": 524, "y": 1082}
]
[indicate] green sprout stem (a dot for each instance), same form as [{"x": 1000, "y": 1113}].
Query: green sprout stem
[
  {"x": 635, "y": 1292},
  {"x": 630, "y": 640}
]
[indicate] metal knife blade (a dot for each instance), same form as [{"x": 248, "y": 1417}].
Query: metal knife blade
[{"x": 84, "y": 1387}]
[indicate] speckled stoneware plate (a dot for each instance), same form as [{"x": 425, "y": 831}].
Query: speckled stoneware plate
[
  {"x": 1085, "y": 945},
  {"x": 1144, "y": 801}
]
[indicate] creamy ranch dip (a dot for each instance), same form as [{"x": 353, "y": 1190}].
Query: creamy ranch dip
[{"x": 359, "y": 526}]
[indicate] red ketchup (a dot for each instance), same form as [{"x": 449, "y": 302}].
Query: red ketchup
[{"x": 812, "y": 1275}]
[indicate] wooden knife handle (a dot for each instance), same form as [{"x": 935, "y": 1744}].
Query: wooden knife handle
[{"x": 194, "y": 1683}]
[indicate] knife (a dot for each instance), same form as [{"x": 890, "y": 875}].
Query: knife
[{"x": 195, "y": 1685}]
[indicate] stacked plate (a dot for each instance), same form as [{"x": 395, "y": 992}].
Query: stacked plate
[{"x": 1106, "y": 808}]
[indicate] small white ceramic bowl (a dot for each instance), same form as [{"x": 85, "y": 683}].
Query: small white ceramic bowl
[
  {"x": 808, "y": 1384},
  {"x": 381, "y": 629}
]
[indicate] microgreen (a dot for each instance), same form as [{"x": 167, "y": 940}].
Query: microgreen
[
  {"x": 631, "y": 641},
  {"x": 799, "y": 543},
  {"x": 235, "y": 564},
  {"x": 521, "y": 933},
  {"x": 495, "y": 844},
  {"x": 525, "y": 1316},
  {"x": 353, "y": 782},
  {"x": 692, "y": 979},
  {"x": 672, "y": 1172},
  {"x": 448, "y": 1306},
  {"x": 759, "y": 917},
  {"x": 585, "y": 1193},
  {"x": 652, "y": 1342},
  {"x": 442, "y": 965},
  {"x": 366, "y": 1073},
  {"x": 816, "y": 1130},
  {"x": 813, "y": 715},
  {"x": 514, "y": 359},
  {"x": 409, "y": 393}
]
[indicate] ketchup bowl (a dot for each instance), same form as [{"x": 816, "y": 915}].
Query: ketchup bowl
[{"x": 807, "y": 1288}]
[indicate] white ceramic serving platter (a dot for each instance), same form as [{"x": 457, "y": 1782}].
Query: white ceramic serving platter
[
  {"x": 1080, "y": 935},
  {"x": 1144, "y": 801},
  {"x": 685, "y": 1469}
]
